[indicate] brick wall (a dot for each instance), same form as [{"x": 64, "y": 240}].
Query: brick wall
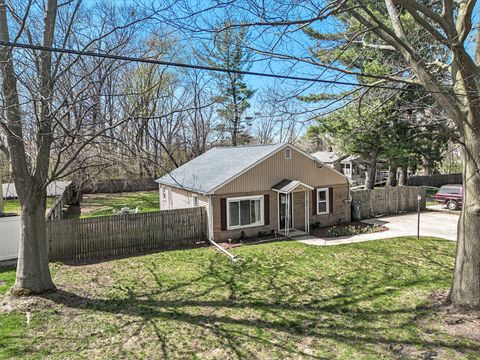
[{"x": 341, "y": 212}]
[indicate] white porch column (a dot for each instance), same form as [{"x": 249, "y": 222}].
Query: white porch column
[{"x": 287, "y": 214}]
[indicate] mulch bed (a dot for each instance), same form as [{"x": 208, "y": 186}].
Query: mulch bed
[
  {"x": 323, "y": 232},
  {"x": 320, "y": 232}
]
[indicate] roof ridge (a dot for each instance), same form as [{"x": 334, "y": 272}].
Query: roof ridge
[{"x": 245, "y": 146}]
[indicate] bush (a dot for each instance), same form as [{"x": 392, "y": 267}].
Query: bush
[{"x": 351, "y": 230}]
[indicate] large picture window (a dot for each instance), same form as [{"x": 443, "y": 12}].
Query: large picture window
[
  {"x": 245, "y": 212},
  {"x": 322, "y": 201}
]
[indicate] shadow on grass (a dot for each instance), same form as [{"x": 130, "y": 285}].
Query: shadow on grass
[{"x": 242, "y": 315}]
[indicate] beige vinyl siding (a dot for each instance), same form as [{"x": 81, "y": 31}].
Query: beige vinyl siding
[
  {"x": 276, "y": 168},
  {"x": 180, "y": 199}
]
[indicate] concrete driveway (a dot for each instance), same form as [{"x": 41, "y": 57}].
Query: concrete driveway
[{"x": 435, "y": 224}]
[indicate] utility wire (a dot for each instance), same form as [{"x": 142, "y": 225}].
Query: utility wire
[{"x": 207, "y": 68}]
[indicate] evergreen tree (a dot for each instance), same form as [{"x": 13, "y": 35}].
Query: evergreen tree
[{"x": 229, "y": 52}]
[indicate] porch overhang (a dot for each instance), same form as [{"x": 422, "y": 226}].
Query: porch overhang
[
  {"x": 288, "y": 186},
  {"x": 285, "y": 190}
]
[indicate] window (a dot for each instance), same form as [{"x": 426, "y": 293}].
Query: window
[
  {"x": 322, "y": 201},
  {"x": 195, "y": 200},
  {"x": 288, "y": 154},
  {"x": 244, "y": 212},
  {"x": 450, "y": 189},
  {"x": 164, "y": 193},
  {"x": 346, "y": 168}
]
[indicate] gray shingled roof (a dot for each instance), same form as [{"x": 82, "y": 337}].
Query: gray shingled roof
[
  {"x": 218, "y": 165},
  {"x": 329, "y": 157}
]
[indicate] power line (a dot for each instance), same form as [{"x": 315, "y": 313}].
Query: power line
[{"x": 203, "y": 67}]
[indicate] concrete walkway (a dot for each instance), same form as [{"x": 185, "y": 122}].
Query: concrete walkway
[{"x": 431, "y": 224}]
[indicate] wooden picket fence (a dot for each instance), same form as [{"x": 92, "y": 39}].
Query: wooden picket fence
[
  {"x": 126, "y": 234},
  {"x": 387, "y": 201},
  {"x": 435, "y": 180}
]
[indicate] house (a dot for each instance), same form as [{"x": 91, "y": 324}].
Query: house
[
  {"x": 348, "y": 165},
  {"x": 351, "y": 166},
  {"x": 248, "y": 190}
]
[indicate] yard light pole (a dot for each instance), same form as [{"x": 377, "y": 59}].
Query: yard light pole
[{"x": 419, "y": 199}]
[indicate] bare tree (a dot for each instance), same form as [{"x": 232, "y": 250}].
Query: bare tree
[
  {"x": 47, "y": 119},
  {"x": 449, "y": 27}
]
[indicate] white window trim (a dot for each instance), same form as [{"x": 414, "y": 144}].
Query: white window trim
[
  {"x": 289, "y": 152},
  {"x": 194, "y": 196},
  {"x": 235, "y": 199},
  {"x": 326, "y": 201},
  {"x": 164, "y": 193}
]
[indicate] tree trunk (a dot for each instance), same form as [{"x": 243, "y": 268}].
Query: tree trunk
[
  {"x": 371, "y": 170},
  {"x": 33, "y": 273},
  {"x": 465, "y": 291},
  {"x": 427, "y": 169},
  {"x": 402, "y": 181},
  {"x": 392, "y": 175}
]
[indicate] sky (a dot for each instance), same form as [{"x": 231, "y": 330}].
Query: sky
[{"x": 190, "y": 31}]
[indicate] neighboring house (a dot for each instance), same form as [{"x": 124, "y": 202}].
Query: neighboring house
[
  {"x": 348, "y": 165},
  {"x": 55, "y": 188},
  {"x": 351, "y": 166},
  {"x": 249, "y": 190}
]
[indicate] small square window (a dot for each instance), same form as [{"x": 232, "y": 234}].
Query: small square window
[
  {"x": 288, "y": 153},
  {"x": 323, "y": 206},
  {"x": 195, "y": 200}
]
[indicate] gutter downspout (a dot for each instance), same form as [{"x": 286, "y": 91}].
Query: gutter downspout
[
  {"x": 224, "y": 251},
  {"x": 211, "y": 232}
]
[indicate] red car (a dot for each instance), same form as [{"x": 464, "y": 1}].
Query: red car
[{"x": 450, "y": 195}]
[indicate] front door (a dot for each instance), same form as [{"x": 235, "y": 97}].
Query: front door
[{"x": 282, "y": 210}]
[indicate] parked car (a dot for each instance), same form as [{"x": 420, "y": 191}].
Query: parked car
[{"x": 450, "y": 195}]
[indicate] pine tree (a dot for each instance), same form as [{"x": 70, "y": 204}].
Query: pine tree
[{"x": 229, "y": 52}]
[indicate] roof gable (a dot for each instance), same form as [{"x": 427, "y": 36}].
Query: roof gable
[{"x": 276, "y": 167}]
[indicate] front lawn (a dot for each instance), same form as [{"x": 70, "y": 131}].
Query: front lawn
[
  {"x": 281, "y": 300},
  {"x": 94, "y": 205}
]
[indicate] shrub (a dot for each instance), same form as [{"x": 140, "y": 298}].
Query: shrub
[{"x": 351, "y": 230}]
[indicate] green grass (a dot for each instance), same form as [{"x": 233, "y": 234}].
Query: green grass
[
  {"x": 105, "y": 204},
  {"x": 283, "y": 300},
  {"x": 431, "y": 191},
  {"x": 12, "y": 325},
  {"x": 13, "y": 205}
]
